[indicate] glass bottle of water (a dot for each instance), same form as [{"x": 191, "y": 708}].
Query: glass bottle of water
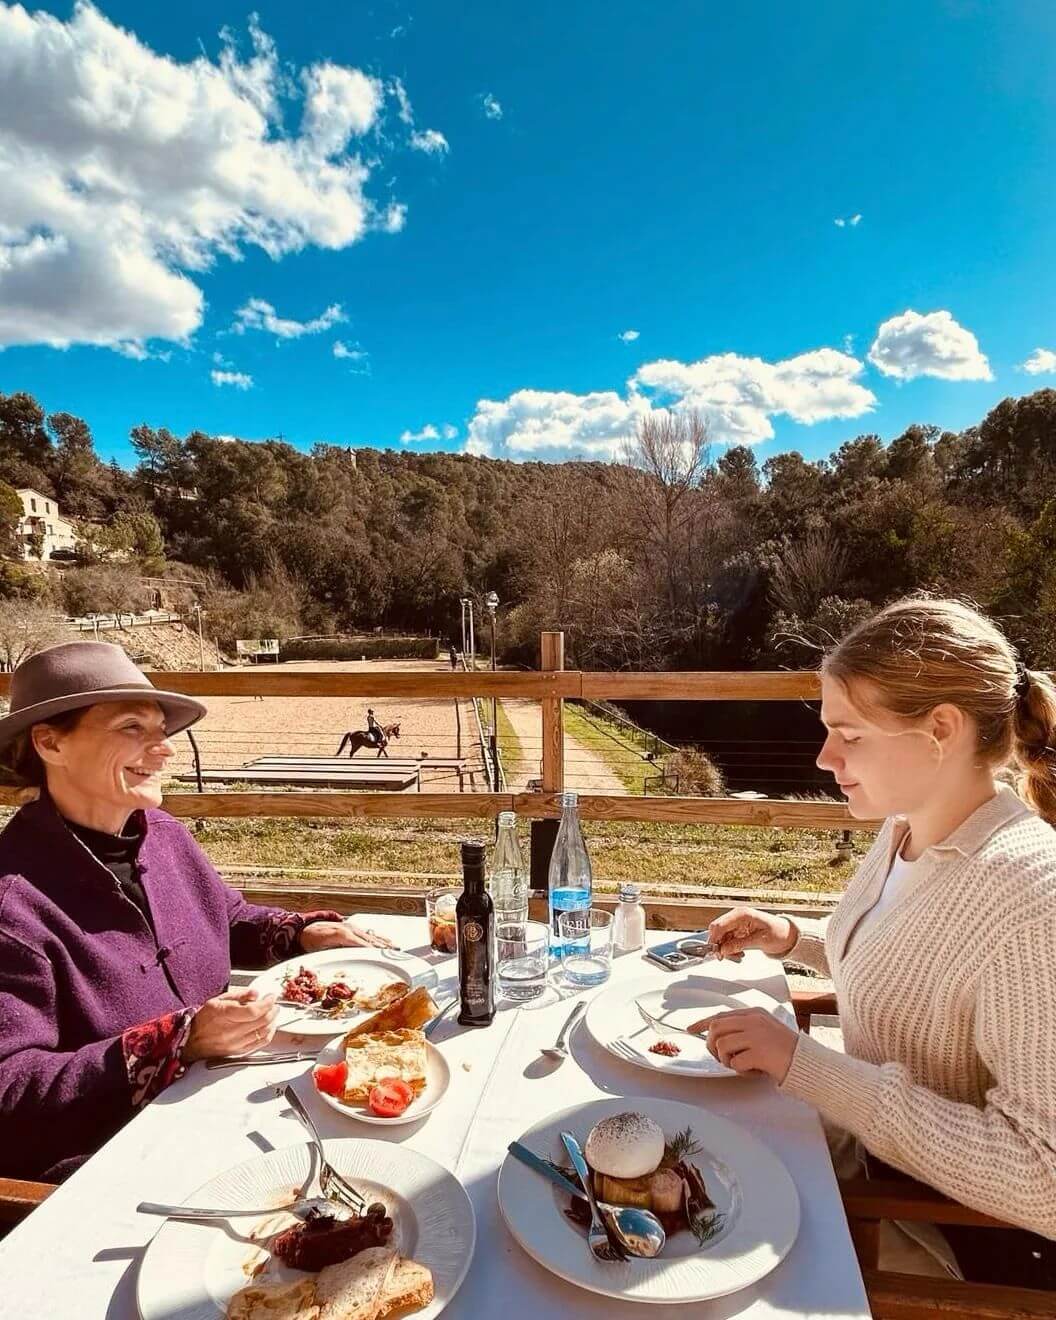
[
  {"x": 509, "y": 875},
  {"x": 570, "y": 880}
]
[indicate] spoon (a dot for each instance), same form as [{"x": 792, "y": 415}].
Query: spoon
[
  {"x": 636, "y": 1232},
  {"x": 557, "y": 1051},
  {"x": 641, "y": 1231}
]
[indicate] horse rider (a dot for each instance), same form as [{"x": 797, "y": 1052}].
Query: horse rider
[{"x": 375, "y": 732}]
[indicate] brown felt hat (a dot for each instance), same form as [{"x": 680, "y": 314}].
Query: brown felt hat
[{"x": 76, "y": 675}]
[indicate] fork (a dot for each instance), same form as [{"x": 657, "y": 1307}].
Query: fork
[
  {"x": 659, "y": 1025},
  {"x": 601, "y": 1243},
  {"x": 305, "y": 1209},
  {"x": 333, "y": 1186}
]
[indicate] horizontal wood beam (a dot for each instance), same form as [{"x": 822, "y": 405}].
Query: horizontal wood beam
[
  {"x": 918, "y": 1297},
  {"x": 660, "y": 913},
  {"x": 893, "y": 1198},
  {"x": 770, "y": 814},
  {"x": 774, "y": 813},
  {"x": 18, "y": 1198},
  {"x": 704, "y": 685}
]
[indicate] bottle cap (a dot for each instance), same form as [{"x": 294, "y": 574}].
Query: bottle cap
[
  {"x": 629, "y": 893},
  {"x": 569, "y": 798},
  {"x": 472, "y": 852},
  {"x": 507, "y": 818}
]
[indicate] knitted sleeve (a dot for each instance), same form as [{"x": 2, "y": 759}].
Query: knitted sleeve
[
  {"x": 809, "y": 948},
  {"x": 1000, "y": 1158}
]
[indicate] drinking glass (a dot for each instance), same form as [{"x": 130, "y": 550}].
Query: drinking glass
[
  {"x": 522, "y": 949},
  {"x": 440, "y": 911},
  {"x": 586, "y": 945}
]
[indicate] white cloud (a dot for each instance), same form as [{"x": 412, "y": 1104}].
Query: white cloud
[
  {"x": 238, "y": 379},
  {"x": 492, "y": 107},
  {"x": 352, "y": 353},
  {"x": 842, "y": 222},
  {"x": 260, "y": 315},
  {"x": 431, "y": 141},
  {"x": 429, "y": 432},
  {"x": 628, "y": 336},
  {"x": 932, "y": 344},
  {"x": 554, "y": 425},
  {"x": 123, "y": 173},
  {"x": 393, "y": 218},
  {"x": 403, "y": 101},
  {"x": 739, "y": 395},
  {"x": 1041, "y": 361}
]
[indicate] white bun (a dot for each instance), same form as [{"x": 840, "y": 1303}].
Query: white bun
[{"x": 625, "y": 1146}]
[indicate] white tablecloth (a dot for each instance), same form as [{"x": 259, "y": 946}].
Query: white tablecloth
[{"x": 76, "y": 1257}]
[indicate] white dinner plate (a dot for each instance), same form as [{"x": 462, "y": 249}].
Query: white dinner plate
[
  {"x": 191, "y": 1271},
  {"x": 615, "y": 1023},
  {"x": 368, "y": 969},
  {"x": 437, "y": 1080},
  {"x": 752, "y": 1190}
]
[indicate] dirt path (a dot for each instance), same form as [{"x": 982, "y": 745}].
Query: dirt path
[{"x": 585, "y": 770}]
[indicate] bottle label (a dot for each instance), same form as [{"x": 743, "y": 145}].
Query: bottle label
[{"x": 473, "y": 932}]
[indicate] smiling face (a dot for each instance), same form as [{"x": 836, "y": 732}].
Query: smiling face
[
  {"x": 883, "y": 764},
  {"x": 108, "y": 765}
]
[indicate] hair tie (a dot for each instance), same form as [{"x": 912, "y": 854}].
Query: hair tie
[{"x": 1022, "y": 684}]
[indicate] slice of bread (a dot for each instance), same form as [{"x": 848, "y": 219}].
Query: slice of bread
[
  {"x": 410, "y": 1288},
  {"x": 368, "y": 1059},
  {"x": 413, "y": 1010},
  {"x": 275, "y": 1301},
  {"x": 353, "y": 1289}
]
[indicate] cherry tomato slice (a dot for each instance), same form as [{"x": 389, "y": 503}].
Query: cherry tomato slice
[
  {"x": 330, "y": 1078},
  {"x": 390, "y": 1097}
]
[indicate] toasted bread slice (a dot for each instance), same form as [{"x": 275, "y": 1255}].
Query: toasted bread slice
[
  {"x": 275, "y": 1301},
  {"x": 353, "y": 1289},
  {"x": 382, "y": 997},
  {"x": 383, "y": 1054},
  {"x": 410, "y": 1288},
  {"x": 413, "y": 1010}
]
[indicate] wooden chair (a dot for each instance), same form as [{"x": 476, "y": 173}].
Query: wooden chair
[
  {"x": 869, "y": 1201},
  {"x": 18, "y": 1198}
]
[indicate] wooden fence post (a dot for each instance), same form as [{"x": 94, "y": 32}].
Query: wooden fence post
[{"x": 544, "y": 832}]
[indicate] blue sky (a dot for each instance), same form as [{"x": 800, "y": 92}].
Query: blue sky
[{"x": 501, "y": 191}]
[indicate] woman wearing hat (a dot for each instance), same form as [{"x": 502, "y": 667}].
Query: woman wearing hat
[{"x": 117, "y": 936}]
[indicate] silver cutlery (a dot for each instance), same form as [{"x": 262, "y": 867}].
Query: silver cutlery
[
  {"x": 432, "y": 1025},
  {"x": 603, "y": 1244},
  {"x": 240, "y": 1060},
  {"x": 705, "y": 949},
  {"x": 306, "y": 1208},
  {"x": 557, "y": 1051},
  {"x": 333, "y": 1186},
  {"x": 639, "y": 1232},
  {"x": 659, "y": 1025}
]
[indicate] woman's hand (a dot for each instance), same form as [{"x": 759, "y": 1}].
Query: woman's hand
[
  {"x": 233, "y": 1023},
  {"x": 752, "y": 1040},
  {"x": 340, "y": 935},
  {"x": 747, "y": 928}
]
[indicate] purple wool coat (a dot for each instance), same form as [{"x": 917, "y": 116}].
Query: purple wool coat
[{"x": 94, "y": 1006}]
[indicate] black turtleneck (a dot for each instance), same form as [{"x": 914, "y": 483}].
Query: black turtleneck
[{"x": 119, "y": 854}]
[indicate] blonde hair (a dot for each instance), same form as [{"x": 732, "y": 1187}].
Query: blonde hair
[{"x": 919, "y": 653}]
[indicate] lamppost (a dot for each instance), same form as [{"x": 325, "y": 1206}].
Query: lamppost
[
  {"x": 491, "y": 600},
  {"x": 201, "y": 643}
]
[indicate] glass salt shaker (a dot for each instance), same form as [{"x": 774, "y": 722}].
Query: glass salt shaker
[{"x": 628, "y": 931}]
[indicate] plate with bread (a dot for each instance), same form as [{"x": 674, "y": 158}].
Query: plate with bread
[
  {"x": 405, "y": 1256},
  {"x": 728, "y": 1206},
  {"x": 384, "y": 1070},
  {"x": 326, "y": 993}
]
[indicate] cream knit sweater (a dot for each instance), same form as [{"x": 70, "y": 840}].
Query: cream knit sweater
[{"x": 948, "y": 1009}]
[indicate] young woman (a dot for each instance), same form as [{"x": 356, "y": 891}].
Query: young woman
[
  {"x": 943, "y": 949},
  {"x": 116, "y": 934}
]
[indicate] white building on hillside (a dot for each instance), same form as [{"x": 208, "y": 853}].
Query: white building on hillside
[{"x": 40, "y": 516}]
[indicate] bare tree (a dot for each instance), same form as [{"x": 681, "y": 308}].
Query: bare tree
[
  {"x": 25, "y": 628},
  {"x": 806, "y": 571}
]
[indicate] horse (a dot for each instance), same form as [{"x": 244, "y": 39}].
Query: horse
[{"x": 354, "y": 739}]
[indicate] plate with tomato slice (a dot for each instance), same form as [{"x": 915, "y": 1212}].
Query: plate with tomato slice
[{"x": 391, "y": 1100}]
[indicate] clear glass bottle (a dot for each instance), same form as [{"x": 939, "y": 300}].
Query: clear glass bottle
[
  {"x": 570, "y": 880},
  {"x": 509, "y": 875},
  {"x": 628, "y": 925}
]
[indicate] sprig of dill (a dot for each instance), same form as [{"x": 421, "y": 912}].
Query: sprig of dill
[{"x": 682, "y": 1146}]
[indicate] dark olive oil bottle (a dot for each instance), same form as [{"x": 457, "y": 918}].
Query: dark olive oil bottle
[{"x": 476, "y": 944}]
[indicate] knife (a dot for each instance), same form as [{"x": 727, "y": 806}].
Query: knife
[
  {"x": 533, "y": 1161},
  {"x": 242, "y": 1060}
]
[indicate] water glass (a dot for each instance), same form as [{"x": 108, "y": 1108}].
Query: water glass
[
  {"x": 586, "y": 945},
  {"x": 522, "y": 955},
  {"x": 440, "y": 910}
]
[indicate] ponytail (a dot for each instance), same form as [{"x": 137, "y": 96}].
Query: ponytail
[{"x": 1034, "y": 741}]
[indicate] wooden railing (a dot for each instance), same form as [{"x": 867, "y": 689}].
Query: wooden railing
[{"x": 551, "y": 686}]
